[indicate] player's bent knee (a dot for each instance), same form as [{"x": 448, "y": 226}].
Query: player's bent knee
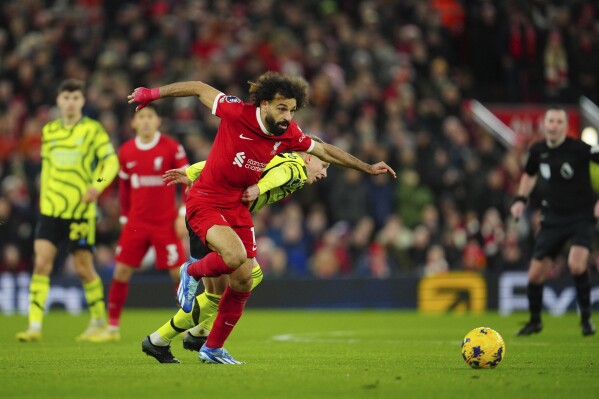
[
  {"x": 43, "y": 263},
  {"x": 536, "y": 277},
  {"x": 124, "y": 272},
  {"x": 43, "y": 267},
  {"x": 234, "y": 259},
  {"x": 241, "y": 285},
  {"x": 241, "y": 280},
  {"x": 576, "y": 270}
]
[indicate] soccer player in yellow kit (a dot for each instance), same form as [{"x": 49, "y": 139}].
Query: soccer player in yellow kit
[
  {"x": 78, "y": 163},
  {"x": 283, "y": 175}
]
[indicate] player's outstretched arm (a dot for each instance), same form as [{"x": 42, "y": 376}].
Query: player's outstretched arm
[
  {"x": 143, "y": 96},
  {"x": 176, "y": 176},
  {"x": 335, "y": 155}
]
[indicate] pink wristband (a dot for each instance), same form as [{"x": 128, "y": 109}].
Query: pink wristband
[{"x": 155, "y": 93}]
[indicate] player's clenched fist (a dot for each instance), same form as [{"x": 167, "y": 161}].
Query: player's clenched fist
[{"x": 143, "y": 96}]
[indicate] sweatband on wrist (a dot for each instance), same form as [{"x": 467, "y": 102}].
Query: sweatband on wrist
[
  {"x": 520, "y": 198},
  {"x": 155, "y": 93}
]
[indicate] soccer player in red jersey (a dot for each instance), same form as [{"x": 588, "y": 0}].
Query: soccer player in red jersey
[
  {"x": 249, "y": 135},
  {"x": 148, "y": 210}
]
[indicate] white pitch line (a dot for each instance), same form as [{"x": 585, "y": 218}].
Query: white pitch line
[{"x": 350, "y": 337}]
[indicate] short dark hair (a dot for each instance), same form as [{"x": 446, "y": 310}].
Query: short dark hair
[
  {"x": 153, "y": 106},
  {"x": 71, "y": 85},
  {"x": 269, "y": 84},
  {"x": 556, "y": 108}
]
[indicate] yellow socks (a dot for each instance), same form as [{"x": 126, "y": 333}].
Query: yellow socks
[
  {"x": 94, "y": 294},
  {"x": 38, "y": 293},
  {"x": 175, "y": 326},
  {"x": 202, "y": 315}
]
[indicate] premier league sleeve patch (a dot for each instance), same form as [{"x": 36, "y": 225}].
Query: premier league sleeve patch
[
  {"x": 228, "y": 107},
  {"x": 232, "y": 99}
]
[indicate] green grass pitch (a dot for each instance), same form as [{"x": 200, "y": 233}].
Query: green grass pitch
[{"x": 304, "y": 354}]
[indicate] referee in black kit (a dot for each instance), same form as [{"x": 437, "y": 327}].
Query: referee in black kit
[{"x": 568, "y": 205}]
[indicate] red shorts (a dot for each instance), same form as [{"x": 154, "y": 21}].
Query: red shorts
[
  {"x": 136, "y": 239},
  {"x": 201, "y": 216}
]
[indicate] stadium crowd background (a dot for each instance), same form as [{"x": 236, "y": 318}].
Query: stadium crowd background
[{"x": 388, "y": 80}]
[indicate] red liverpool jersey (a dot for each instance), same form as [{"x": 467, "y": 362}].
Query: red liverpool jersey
[
  {"x": 241, "y": 150},
  {"x": 143, "y": 195}
]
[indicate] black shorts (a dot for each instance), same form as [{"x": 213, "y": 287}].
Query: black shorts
[
  {"x": 77, "y": 233},
  {"x": 552, "y": 236},
  {"x": 197, "y": 249}
]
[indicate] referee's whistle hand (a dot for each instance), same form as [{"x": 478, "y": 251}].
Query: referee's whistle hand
[{"x": 517, "y": 209}]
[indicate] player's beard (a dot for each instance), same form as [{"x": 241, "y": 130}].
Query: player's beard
[{"x": 275, "y": 127}]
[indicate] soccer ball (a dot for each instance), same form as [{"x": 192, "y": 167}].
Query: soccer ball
[{"x": 483, "y": 348}]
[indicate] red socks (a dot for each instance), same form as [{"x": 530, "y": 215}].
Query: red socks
[
  {"x": 117, "y": 296},
  {"x": 211, "y": 265},
  {"x": 229, "y": 311}
]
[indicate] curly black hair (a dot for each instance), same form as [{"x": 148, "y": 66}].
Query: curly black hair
[{"x": 271, "y": 83}]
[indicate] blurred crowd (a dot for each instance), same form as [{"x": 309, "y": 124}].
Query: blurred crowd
[{"x": 388, "y": 81}]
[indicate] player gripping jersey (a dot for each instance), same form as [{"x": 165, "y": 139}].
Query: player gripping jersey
[
  {"x": 282, "y": 176},
  {"x": 249, "y": 135},
  {"x": 241, "y": 150}
]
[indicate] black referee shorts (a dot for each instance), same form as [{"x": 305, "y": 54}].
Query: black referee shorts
[{"x": 553, "y": 236}]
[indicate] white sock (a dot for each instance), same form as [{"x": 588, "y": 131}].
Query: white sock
[
  {"x": 157, "y": 340},
  {"x": 35, "y": 326}
]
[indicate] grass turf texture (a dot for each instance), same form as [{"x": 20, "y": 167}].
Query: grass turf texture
[{"x": 304, "y": 354}]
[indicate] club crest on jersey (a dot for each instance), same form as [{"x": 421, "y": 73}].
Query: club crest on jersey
[
  {"x": 296, "y": 184},
  {"x": 566, "y": 171},
  {"x": 158, "y": 163},
  {"x": 275, "y": 147},
  {"x": 230, "y": 99}
]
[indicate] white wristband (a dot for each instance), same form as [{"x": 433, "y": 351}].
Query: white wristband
[
  {"x": 123, "y": 219},
  {"x": 182, "y": 211}
]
